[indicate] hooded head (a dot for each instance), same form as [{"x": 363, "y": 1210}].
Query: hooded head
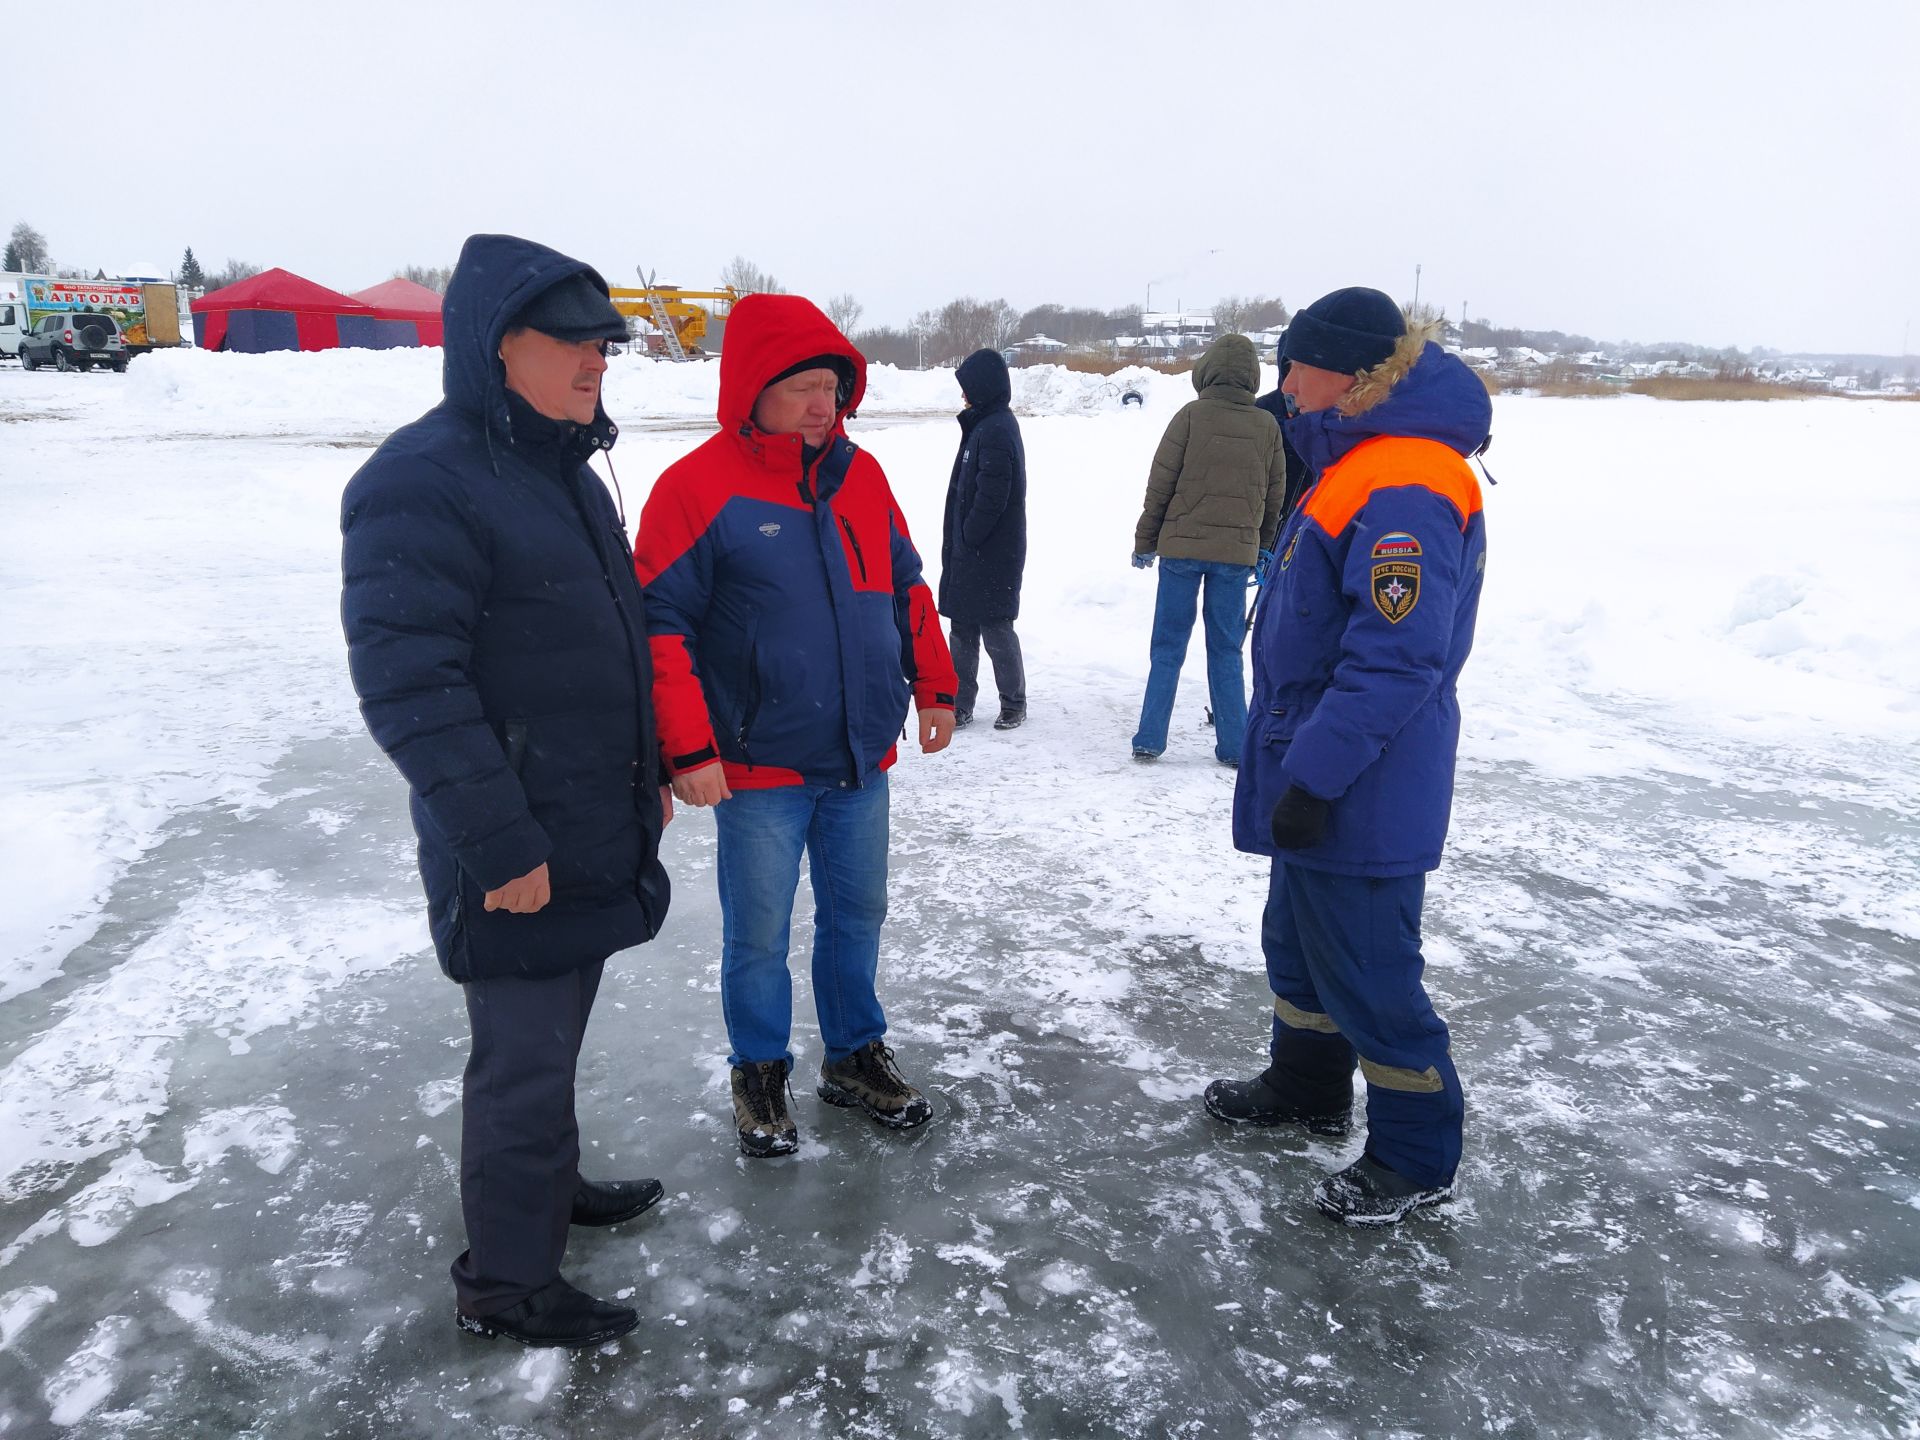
[
  {"x": 1230, "y": 361},
  {"x": 770, "y": 336},
  {"x": 984, "y": 379},
  {"x": 497, "y": 279}
]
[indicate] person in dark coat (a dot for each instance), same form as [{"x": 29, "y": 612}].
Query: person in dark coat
[
  {"x": 983, "y": 547},
  {"x": 496, "y": 638}
]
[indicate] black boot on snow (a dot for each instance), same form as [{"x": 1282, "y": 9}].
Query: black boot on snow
[
  {"x": 1368, "y": 1193},
  {"x": 609, "y": 1202},
  {"x": 1256, "y": 1102},
  {"x": 556, "y": 1315}
]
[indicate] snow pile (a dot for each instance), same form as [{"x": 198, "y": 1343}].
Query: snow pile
[{"x": 359, "y": 392}]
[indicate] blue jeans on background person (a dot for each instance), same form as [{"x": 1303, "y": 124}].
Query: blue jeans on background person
[
  {"x": 1225, "y": 613},
  {"x": 762, "y": 833}
]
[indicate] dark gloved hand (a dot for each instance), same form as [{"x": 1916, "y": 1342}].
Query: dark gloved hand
[
  {"x": 1143, "y": 562},
  {"x": 1262, "y": 563},
  {"x": 1299, "y": 820}
]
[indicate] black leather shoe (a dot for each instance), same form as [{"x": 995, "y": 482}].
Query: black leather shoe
[
  {"x": 557, "y": 1315},
  {"x": 608, "y": 1202}
]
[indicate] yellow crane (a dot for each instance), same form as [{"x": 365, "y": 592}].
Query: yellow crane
[{"x": 679, "y": 317}]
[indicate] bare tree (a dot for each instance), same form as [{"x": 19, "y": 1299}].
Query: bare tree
[
  {"x": 231, "y": 273},
  {"x": 1264, "y": 313},
  {"x": 434, "y": 277},
  {"x": 845, "y": 312},
  {"x": 1229, "y": 315},
  {"x": 748, "y": 278},
  {"x": 28, "y": 247}
]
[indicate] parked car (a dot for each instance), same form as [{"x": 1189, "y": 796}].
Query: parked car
[{"x": 73, "y": 341}]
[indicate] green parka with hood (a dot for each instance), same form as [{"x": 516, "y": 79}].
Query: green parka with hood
[{"x": 1218, "y": 486}]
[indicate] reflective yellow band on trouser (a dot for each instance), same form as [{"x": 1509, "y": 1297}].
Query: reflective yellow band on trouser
[
  {"x": 1298, "y": 1019},
  {"x": 1398, "y": 1077}
]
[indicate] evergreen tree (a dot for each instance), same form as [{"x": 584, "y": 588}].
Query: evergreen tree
[
  {"x": 191, "y": 275},
  {"x": 12, "y": 261}
]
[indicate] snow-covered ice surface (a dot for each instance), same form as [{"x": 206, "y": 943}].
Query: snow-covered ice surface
[{"x": 1676, "y": 936}]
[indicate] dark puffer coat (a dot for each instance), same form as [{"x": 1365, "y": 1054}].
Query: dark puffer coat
[
  {"x": 497, "y": 641},
  {"x": 983, "y": 547}
]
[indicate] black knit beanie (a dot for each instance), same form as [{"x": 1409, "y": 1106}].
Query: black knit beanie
[
  {"x": 1348, "y": 331},
  {"x": 839, "y": 364}
]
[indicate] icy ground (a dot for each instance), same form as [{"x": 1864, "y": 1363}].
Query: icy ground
[{"x": 1677, "y": 939}]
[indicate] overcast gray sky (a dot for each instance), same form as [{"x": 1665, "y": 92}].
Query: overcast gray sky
[{"x": 1726, "y": 173}]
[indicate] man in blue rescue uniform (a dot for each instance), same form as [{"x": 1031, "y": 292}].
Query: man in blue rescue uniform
[{"x": 1346, "y": 776}]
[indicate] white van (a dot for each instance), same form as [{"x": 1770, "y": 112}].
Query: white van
[{"x": 13, "y": 315}]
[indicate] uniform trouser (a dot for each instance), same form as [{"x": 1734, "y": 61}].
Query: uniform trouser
[
  {"x": 519, "y": 1144},
  {"x": 1343, "y": 958},
  {"x": 762, "y": 834},
  {"x": 1003, "y": 649}
]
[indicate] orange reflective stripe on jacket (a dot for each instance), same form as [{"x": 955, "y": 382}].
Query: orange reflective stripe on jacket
[{"x": 1382, "y": 463}]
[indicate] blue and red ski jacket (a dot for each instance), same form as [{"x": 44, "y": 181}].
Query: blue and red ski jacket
[
  {"x": 1366, "y": 621},
  {"x": 787, "y": 616}
]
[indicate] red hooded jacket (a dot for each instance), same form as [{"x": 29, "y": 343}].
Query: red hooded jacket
[{"x": 786, "y": 611}]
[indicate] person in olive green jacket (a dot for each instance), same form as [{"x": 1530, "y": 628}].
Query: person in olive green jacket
[{"x": 1215, "y": 500}]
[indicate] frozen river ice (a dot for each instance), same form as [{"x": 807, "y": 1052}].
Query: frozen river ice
[{"x": 1682, "y": 979}]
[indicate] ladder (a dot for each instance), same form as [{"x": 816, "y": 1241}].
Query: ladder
[{"x": 662, "y": 321}]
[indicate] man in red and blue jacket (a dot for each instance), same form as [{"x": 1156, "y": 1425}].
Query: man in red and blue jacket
[
  {"x": 1346, "y": 776},
  {"x": 789, "y": 627}
]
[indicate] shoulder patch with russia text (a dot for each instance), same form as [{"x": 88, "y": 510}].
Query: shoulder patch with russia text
[{"x": 1397, "y": 546}]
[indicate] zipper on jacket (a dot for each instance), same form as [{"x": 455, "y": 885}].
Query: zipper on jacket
[{"x": 854, "y": 540}]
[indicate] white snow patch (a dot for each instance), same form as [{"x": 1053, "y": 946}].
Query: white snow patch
[
  {"x": 90, "y": 1372},
  {"x": 263, "y": 1132},
  {"x": 19, "y": 1308}
]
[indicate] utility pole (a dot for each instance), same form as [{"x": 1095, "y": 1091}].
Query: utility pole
[{"x": 1416, "y": 289}]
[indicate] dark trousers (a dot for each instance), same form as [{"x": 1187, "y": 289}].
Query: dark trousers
[
  {"x": 1003, "y": 649},
  {"x": 519, "y": 1145},
  {"x": 1343, "y": 958}
]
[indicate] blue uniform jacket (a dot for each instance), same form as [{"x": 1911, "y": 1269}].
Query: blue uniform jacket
[{"x": 1365, "y": 624}]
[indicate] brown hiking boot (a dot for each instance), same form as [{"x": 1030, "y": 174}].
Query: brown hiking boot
[
  {"x": 760, "y": 1110},
  {"x": 869, "y": 1078}
]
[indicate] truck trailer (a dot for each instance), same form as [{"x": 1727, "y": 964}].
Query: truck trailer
[{"x": 149, "y": 314}]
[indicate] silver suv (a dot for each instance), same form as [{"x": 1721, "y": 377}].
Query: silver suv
[{"x": 76, "y": 341}]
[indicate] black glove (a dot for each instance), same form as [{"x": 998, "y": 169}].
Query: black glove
[{"x": 1299, "y": 820}]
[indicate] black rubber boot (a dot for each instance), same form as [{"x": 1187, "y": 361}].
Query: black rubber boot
[
  {"x": 1259, "y": 1102},
  {"x": 608, "y": 1202},
  {"x": 1368, "y": 1193},
  {"x": 557, "y": 1315}
]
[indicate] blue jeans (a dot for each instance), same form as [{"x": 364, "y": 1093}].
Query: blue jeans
[
  {"x": 762, "y": 833},
  {"x": 1344, "y": 961},
  {"x": 1226, "y": 624}
]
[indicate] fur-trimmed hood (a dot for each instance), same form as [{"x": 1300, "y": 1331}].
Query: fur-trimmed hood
[{"x": 1419, "y": 391}]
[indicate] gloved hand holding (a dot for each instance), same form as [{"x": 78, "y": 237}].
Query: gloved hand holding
[
  {"x": 1299, "y": 820},
  {"x": 1262, "y": 563},
  {"x": 1143, "y": 562}
]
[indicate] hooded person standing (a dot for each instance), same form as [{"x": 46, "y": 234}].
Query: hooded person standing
[
  {"x": 983, "y": 545},
  {"x": 1347, "y": 783},
  {"x": 1215, "y": 499},
  {"x": 790, "y": 625},
  {"x": 497, "y": 641}
]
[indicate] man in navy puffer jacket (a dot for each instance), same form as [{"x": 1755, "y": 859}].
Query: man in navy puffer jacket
[
  {"x": 498, "y": 643},
  {"x": 1346, "y": 776}
]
